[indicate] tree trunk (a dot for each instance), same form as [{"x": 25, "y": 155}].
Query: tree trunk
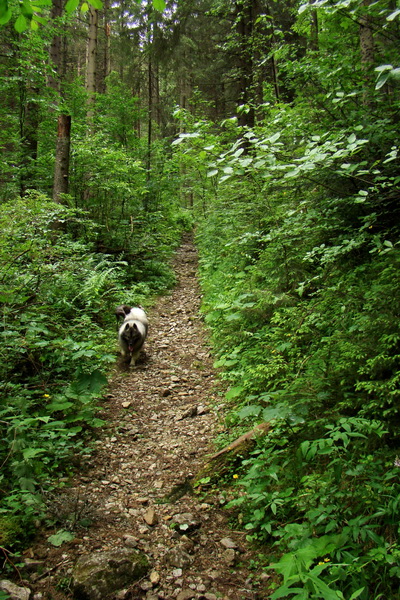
[
  {"x": 91, "y": 63},
  {"x": 107, "y": 47},
  {"x": 314, "y": 43},
  {"x": 58, "y": 52},
  {"x": 244, "y": 14},
  {"x": 29, "y": 137},
  {"x": 149, "y": 117},
  {"x": 367, "y": 51},
  {"x": 103, "y": 52},
  {"x": 61, "y": 171}
]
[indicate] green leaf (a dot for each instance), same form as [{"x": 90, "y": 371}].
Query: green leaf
[
  {"x": 26, "y": 9},
  {"x": 71, "y": 6},
  {"x": 382, "y": 79},
  {"x": 245, "y": 162},
  {"x": 234, "y": 392},
  {"x": 356, "y": 594},
  {"x": 159, "y": 5},
  {"x": 21, "y": 24},
  {"x": 252, "y": 410},
  {"x": 285, "y": 590},
  {"x": 59, "y": 406},
  {"x": 302, "y": 8},
  {"x": 36, "y": 19},
  {"x": 3, "y": 7},
  {"x": 4, "y": 18},
  {"x": 32, "y": 452},
  {"x": 393, "y": 15},
  {"x": 275, "y": 137},
  {"x": 228, "y": 170},
  {"x": 84, "y": 8},
  {"x": 97, "y": 4},
  {"x": 60, "y": 537},
  {"x": 383, "y": 68}
]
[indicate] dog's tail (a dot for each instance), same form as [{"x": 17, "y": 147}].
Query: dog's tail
[{"x": 121, "y": 311}]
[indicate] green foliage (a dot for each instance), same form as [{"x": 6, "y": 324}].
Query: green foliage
[
  {"x": 57, "y": 300},
  {"x": 59, "y": 538},
  {"x": 299, "y": 260},
  {"x": 30, "y": 12}
]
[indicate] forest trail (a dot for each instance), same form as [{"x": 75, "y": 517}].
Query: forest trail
[{"x": 161, "y": 422}]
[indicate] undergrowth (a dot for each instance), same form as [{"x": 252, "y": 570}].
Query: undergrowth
[
  {"x": 299, "y": 266},
  {"x": 58, "y": 343}
]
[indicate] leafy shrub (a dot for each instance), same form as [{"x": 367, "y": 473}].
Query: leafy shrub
[
  {"x": 57, "y": 297},
  {"x": 299, "y": 268}
]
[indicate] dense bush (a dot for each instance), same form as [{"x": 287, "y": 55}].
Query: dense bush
[
  {"x": 57, "y": 341},
  {"x": 299, "y": 267}
]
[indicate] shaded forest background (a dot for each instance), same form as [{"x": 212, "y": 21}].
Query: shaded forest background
[{"x": 272, "y": 127}]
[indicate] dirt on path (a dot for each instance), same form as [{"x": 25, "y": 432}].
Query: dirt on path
[{"x": 134, "y": 490}]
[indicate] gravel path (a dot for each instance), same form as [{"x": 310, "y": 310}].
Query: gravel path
[{"x": 134, "y": 491}]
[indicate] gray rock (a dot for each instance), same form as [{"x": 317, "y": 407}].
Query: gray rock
[
  {"x": 229, "y": 556},
  {"x": 150, "y": 517},
  {"x": 130, "y": 541},
  {"x": 177, "y": 573},
  {"x": 186, "y": 522},
  {"x": 146, "y": 585},
  {"x": 154, "y": 577},
  {"x": 98, "y": 575},
  {"x": 228, "y": 543},
  {"x": 178, "y": 557},
  {"x": 186, "y": 595},
  {"x": 14, "y": 591}
]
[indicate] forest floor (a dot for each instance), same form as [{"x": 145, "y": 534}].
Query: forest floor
[{"x": 162, "y": 417}]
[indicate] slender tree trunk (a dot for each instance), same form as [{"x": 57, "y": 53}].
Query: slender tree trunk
[
  {"x": 149, "y": 116},
  {"x": 104, "y": 52},
  {"x": 58, "y": 52},
  {"x": 107, "y": 46},
  {"x": 367, "y": 51},
  {"x": 29, "y": 138},
  {"x": 244, "y": 27},
  {"x": 274, "y": 69},
  {"x": 57, "y": 49},
  {"x": 61, "y": 171},
  {"x": 314, "y": 42},
  {"x": 91, "y": 63}
]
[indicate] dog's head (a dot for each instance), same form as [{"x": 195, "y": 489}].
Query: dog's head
[{"x": 131, "y": 336}]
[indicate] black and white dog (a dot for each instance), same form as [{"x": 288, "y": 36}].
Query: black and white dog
[{"x": 133, "y": 331}]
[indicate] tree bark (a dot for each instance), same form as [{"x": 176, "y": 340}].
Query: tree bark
[
  {"x": 244, "y": 14},
  {"x": 58, "y": 51},
  {"x": 29, "y": 138},
  {"x": 367, "y": 51},
  {"x": 314, "y": 43},
  {"x": 91, "y": 63},
  {"x": 61, "y": 171}
]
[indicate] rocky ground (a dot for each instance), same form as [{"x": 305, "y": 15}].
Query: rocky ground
[{"x": 134, "y": 491}]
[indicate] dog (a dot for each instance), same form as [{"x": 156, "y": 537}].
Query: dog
[{"x": 133, "y": 331}]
